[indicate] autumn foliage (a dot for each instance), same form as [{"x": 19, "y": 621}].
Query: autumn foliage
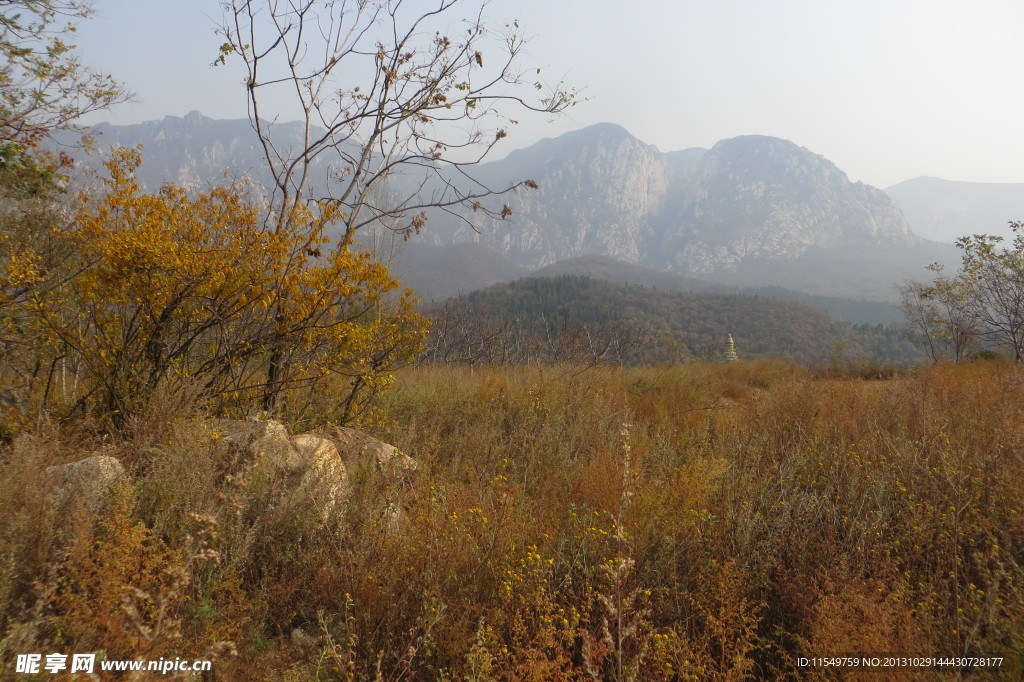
[
  {"x": 705, "y": 522},
  {"x": 174, "y": 291},
  {"x": 688, "y": 521}
]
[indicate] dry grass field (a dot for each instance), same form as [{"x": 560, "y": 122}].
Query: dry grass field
[{"x": 693, "y": 522}]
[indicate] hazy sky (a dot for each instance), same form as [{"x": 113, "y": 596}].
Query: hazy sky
[{"x": 887, "y": 89}]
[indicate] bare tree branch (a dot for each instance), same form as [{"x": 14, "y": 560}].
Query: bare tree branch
[{"x": 387, "y": 90}]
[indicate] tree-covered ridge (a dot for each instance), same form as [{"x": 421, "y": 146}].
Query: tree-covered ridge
[{"x": 571, "y": 317}]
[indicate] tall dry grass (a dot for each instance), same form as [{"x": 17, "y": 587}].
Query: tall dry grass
[{"x": 689, "y": 522}]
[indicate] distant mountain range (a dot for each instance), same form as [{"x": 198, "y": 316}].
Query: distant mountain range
[
  {"x": 695, "y": 212},
  {"x": 944, "y": 210},
  {"x": 193, "y": 151},
  {"x": 751, "y": 211}
]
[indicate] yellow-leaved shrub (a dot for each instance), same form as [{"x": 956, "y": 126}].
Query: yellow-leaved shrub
[{"x": 197, "y": 294}]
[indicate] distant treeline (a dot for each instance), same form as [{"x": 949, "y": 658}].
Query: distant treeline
[{"x": 572, "y": 319}]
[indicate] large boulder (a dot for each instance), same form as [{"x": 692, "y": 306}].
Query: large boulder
[
  {"x": 323, "y": 479},
  {"x": 85, "y": 484},
  {"x": 355, "y": 446},
  {"x": 393, "y": 469},
  {"x": 264, "y": 440},
  {"x": 309, "y": 465}
]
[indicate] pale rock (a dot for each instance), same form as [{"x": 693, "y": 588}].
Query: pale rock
[
  {"x": 265, "y": 440},
  {"x": 356, "y": 445},
  {"x": 309, "y": 464},
  {"x": 86, "y": 483},
  {"x": 323, "y": 478},
  {"x": 303, "y": 639}
]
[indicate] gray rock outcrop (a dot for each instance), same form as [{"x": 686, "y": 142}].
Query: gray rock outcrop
[
  {"x": 696, "y": 211},
  {"x": 85, "y": 484},
  {"x": 757, "y": 197},
  {"x": 355, "y": 446}
]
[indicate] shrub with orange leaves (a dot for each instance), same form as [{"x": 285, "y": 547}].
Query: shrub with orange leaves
[{"x": 193, "y": 291}]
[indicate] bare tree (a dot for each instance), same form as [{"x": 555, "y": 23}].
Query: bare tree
[
  {"x": 387, "y": 91},
  {"x": 923, "y": 322},
  {"x": 942, "y": 316},
  {"x": 385, "y": 88}
]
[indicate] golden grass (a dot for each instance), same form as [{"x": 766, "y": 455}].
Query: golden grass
[{"x": 687, "y": 522}]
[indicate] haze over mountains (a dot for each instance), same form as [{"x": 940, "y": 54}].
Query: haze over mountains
[
  {"x": 696, "y": 211},
  {"x": 192, "y": 151},
  {"x": 751, "y": 211},
  {"x": 949, "y": 210}
]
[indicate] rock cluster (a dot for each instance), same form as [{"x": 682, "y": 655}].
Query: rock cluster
[{"x": 311, "y": 463}]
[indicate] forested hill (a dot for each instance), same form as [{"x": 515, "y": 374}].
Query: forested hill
[
  {"x": 542, "y": 317},
  {"x": 602, "y": 267}
]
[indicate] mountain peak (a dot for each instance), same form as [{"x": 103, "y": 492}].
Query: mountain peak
[
  {"x": 607, "y": 130},
  {"x": 598, "y": 132},
  {"x": 753, "y": 146},
  {"x": 748, "y": 201},
  {"x": 762, "y": 198},
  {"x": 757, "y": 141},
  {"x": 774, "y": 161}
]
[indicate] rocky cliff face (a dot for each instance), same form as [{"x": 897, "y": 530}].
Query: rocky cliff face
[
  {"x": 599, "y": 188},
  {"x": 602, "y": 191},
  {"x": 193, "y": 151},
  {"x": 758, "y": 197}
]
